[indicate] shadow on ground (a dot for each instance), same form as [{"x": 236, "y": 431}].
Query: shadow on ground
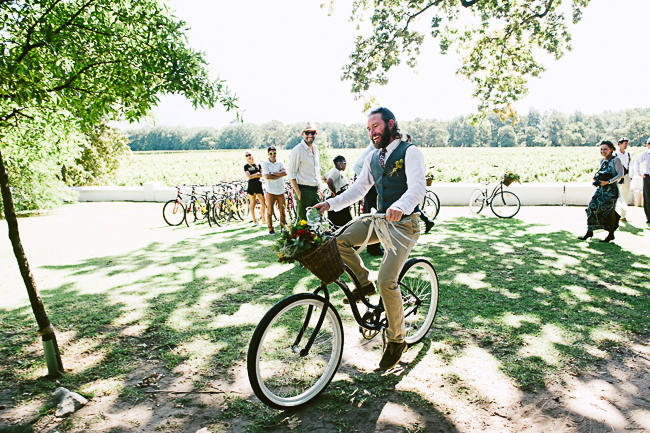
[{"x": 162, "y": 340}]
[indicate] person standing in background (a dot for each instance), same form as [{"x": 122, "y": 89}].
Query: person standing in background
[
  {"x": 304, "y": 171},
  {"x": 642, "y": 166},
  {"x": 273, "y": 172},
  {"x": 624, "y": 183},
  {"x": 337, "y": 183},
  {"x": 254, "y": 190}
]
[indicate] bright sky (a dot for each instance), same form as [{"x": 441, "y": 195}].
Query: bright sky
[{"x": 284, "y": 59}]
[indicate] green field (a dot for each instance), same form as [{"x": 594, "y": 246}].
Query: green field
[{"x": 538, "y": 164}]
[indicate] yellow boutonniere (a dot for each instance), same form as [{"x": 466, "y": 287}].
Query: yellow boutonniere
[
  {"x": 398, "y": 165},
  {"x": 303, "y": 222}
]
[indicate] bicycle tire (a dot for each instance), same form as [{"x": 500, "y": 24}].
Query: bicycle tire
[
  {"x": 477, "y": 201},
  {"x": 437, "y": 200},
  {"x": 174, "y": 212},
  {"x": 272, "y": 375},
  {"x": 418, "y": 283},
  {"x": 505, "y": 204},
  {"x": 211, "y": 214},
  {"x": 429, "y": 208},
  {"x": 199, "y": 208}
]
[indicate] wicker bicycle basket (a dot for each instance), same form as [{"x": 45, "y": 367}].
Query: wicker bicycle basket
[
  {"x": 324, "y": 262},
  {"x": 507, "y": 180}
]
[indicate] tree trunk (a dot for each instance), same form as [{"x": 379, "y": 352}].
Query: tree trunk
[{"x": 50, "y": 346}]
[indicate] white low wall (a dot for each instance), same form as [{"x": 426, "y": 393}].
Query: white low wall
[{"x": 451, "y": 194}]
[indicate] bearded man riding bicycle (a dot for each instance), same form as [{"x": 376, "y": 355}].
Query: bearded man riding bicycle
[{"x": 396, "y": 168}]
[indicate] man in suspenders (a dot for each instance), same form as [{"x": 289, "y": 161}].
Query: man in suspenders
[{"x": 396, "y": 168}]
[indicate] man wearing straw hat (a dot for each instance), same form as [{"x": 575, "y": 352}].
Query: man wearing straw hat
[
  {"x": 304, "y": 171},
  {"x": 396, "y": 168}
]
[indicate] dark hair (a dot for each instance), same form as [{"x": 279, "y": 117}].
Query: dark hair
[
  {"x": 270, "y": 149},
  {"x": 608, "y": 144},
  {"x": 387, "y": 115},
  {"x": 339, "y": 158},
  {"x": 408, "y": 137}
]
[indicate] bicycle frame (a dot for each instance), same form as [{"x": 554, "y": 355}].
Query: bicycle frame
[{"x": 370, "y": 320}]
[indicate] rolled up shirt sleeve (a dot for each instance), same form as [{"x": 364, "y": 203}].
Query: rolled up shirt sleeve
[
  {"x": 415, "y": 182},
  {"x": 293, "y": 163}
]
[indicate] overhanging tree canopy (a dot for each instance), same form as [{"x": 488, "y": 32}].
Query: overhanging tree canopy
[
  {"x": 500, "y": 42},
  {"x": 81, "y": 62}
]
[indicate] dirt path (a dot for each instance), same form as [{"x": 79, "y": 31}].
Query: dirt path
[{"x": 439, "y": 386}]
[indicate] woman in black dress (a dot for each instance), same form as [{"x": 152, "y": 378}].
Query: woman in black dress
[
  {"x": 254, "y": 174},
  {"x": 601, "y": 212}
]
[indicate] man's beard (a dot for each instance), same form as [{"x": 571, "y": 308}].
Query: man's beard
[{"x": 386, "y": 139}]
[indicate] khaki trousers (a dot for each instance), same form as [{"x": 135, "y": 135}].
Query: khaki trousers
[{"x": 405, "y": 232}]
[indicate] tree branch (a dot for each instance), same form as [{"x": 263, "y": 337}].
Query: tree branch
[
  {"x": 468, "y": 3},
  {"x": 69, "y": 82},
  {"x": 28, "y": 47}
]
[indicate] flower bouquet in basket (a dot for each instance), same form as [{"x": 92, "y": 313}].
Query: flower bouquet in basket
[
  {"x": 308, "y": 244},
  {"x": 510, "y": 177}
]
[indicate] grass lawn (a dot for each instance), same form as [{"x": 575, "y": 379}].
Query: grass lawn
[{"x": 154, "y": 323}]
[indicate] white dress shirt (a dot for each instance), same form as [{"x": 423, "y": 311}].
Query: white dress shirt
[
  {"x": 416, "y": 184},
  {"x": 642, "y": 163},
  {"x": 304, "y": 165}
]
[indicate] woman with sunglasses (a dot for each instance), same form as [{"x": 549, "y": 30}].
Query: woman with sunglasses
[{"x": 254, "y": 174}]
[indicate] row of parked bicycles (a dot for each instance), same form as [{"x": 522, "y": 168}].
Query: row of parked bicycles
[{"x": 227, "y": 202}]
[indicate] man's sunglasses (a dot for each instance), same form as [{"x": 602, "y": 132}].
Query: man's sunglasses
[
  {"x": 310, "y": 132},
  {"x": 272, "y": 153}
]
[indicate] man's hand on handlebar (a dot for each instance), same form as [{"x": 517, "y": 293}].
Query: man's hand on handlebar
[
  {"x": 393, "y": 214},
  {"x": 322, "y": 207}
]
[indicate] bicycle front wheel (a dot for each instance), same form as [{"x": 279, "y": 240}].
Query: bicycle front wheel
[
  {"x": 477, "y": 201},
  {"x": 174, "y": 212},
  {"x": 418, "y": 283},
  {"x": 280, "y": 373},
  {"x": 505, "y": 204}
]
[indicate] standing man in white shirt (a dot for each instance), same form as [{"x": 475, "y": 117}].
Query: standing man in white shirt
[
  {"x": 643, "y": 168},
  {"x": 396, "y": 168},
  {"x": 274, "y": 172},
  {"x": 624, "y": 184},
  {"x": 337, "y": 183},
  {"x": 304, "y": 171}
]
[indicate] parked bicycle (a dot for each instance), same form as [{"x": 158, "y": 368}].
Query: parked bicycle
[
  {"x": 504, "y": 203},
  {"x": 296, "y": 348},
  {"x": 175, "y": 211}
]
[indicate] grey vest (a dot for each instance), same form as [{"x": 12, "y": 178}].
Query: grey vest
[{"x": 390, "y": 182}]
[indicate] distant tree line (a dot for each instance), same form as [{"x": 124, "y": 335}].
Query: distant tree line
[{"x": 532, "y": 130}]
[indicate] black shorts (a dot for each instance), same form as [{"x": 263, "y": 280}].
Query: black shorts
[{"x": 254, "y": 188}]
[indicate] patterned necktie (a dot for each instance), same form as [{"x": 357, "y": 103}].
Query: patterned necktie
[{"x": 382, "y": 157}]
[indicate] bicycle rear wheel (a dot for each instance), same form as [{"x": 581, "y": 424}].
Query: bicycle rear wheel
[
  {"x": 174, "y": 212},
  {"x": 505, "y": 204},
  {"x": 418, "y": 283},
  {"x": 429, "y": 207},
  {"x": 477, "y": 201},
  {"x": 280, "y": 376}
]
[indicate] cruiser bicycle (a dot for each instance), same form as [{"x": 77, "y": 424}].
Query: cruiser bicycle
[{"x": 296, "y": 348}]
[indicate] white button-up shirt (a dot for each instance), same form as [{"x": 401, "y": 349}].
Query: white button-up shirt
[
  {"x": 304, "y": 165},
  {"x": 642, "y": 163},
  {"x": 416, "y": 184}
]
